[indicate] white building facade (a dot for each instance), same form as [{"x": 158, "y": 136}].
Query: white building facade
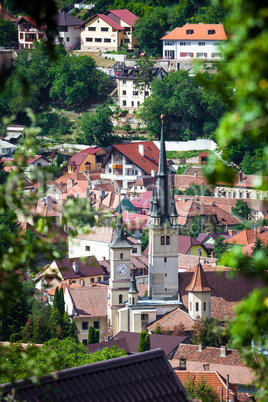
[{"x": 193, "y": 41}]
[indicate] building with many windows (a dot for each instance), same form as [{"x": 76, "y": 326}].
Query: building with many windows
[
  {"x": 193, "y": 41},
  {"x": 109, "y": 31}
]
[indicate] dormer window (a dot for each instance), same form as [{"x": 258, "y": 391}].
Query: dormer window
[
  {"x": 211, "y": 31},
  {"x": 182, "y": 364},
  {"x": 189, "y": 31}
]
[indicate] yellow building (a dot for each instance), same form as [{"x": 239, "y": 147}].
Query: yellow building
[
  {"x": 88, "y": 307},
  {"x": 191, "y": 246},
  {"x": 109, "y": 31},
  {"x": 86, "y": 160}
]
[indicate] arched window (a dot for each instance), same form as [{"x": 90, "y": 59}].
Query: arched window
[
  {"x": 205, "y": 306},
  {"x": 168, "y": 240},
  {"x": 196, "y": 306},
  {"x": 162, "y": 240},
  {"x": 120, "y": 299},
  {"x": 121, "y": 256},
  {"x": 133, "y": 300}
]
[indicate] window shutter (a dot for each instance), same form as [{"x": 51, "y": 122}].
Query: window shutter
[
  {"x": 192, "y": 55},
  {"x": 206, "y": 54},
  {"x": 181, "y": 54}
]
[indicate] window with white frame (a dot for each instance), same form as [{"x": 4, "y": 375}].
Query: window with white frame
[
  {"x": 201, "y": 43},
  {"x": 185, "y": 43}
]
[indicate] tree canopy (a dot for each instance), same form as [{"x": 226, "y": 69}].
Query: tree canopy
[{"x": 178, "y": 96}]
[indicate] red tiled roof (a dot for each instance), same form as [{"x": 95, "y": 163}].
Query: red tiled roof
[
  {"x": 200, "y": 32},
  {"x": 147, "y": 163},
  {"x": 106, "y": 19},
  {"x": 134, "y": 221},
  {"x": 5, "y": 15},
  {"x": 212, "y": 378},
  {"x": 230, "y": 364},
  {"x": 142, "y": 201},
  {"x": 204, "y": 154},
  {"x": 32, "y": 159},
  {"x": 124, "y": 15},
  {"x": 199, "y": 281},
  {"x": 172, "y": 319},
  {"x": 38, "y": 24},
  {"x": 90, "y": 301},
  {"x": 182, "y": 181},
  {"x": 86, "y": 267},
  {"x": 247, "y": 236}
]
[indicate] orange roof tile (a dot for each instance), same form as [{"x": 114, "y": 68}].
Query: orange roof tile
[
  {"x": 199, "y": 281},
  {"x": 212, "y": 378},
  {"x": 200, "y": 32},
  {"x": 247, "y": 236},
  {"x": 90, "y": 301}
]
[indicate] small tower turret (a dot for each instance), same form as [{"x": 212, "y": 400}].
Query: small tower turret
[
  {"x": 133, "y": 291},
  {"x": 199, "y": 292}
]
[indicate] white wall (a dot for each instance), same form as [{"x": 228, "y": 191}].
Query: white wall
[
  {"x": 77, "y": 248},
  {"x": 189, "y": 145},
  {"x": 192, "y": 48}
]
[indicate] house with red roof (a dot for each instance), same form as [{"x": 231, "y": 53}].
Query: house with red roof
[
  {"x": 193, "y": 41},
  {"x": 109, "y": 31},
  {"x": 88, "y": 159},
  {"x": 30, "y": 29},
  {"x": 125, "y": 163}
]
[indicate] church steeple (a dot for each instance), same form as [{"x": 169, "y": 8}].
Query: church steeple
[{"x": 120, "y": 239}]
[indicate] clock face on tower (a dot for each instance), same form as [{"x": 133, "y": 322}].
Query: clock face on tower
[{"x": 121, "y": 269}]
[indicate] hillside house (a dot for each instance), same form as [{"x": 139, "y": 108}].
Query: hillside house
[
  {"x": 29, "y": 29},
  {"x": 89, "y": 159},
  {"x": 125, "y": 163},
  {"x": 193, "y": 41},
  {"x": 129, "y": 95},
  {"x": 109, "y": 31}
]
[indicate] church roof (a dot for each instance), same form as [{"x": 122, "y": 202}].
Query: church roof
[
  {"x": 120, "y": 240},
  {"x": 199, "y": 281}
]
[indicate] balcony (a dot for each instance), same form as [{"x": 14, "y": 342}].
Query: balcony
[{"x": 117, "y": 166}]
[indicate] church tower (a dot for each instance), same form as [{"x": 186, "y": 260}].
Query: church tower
[
  {"x": 163, "y": 234},
  {"x": 199, "y": 293},
  {"x": 119, "y": 281}
]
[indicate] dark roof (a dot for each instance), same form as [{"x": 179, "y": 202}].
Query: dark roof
[
  {"x": 166, "y": 342},
  {"x": 129, "y": 73},
  {"x": 87, "y": 267},
  {"x": 120, "y": 343},
  {"x": 65, "y": 19},
  {"x": 143, "y": 376},
  {"x": 186, "y": 242}
]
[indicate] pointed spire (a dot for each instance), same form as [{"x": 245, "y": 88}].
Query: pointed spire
[
  {"x": 133, "y": 285},
  {"x": 173, "y": 209},
  {"x": 120, "y": 240},
  {"x": 199, "y": 281},
  {"x": 162, "y": 186}
]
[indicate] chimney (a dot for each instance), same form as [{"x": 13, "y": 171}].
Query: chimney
[
  {"x": 102, "y": 194},
  {"x": 104, "y": 258},
  {"x": 87, "y": 192},
  {"x": 152, "y": 173},
  {"x": 240, "y": 175},
  {"x": 195, "y": 173},
  {"x": 70, "y": 183},
  {"x": 212, "y": 254},
  {"x": 75, "y": 267},
  {"x": 231, "y": 232},
  {"x": 141, "y": 149},
  {"x": 200, "y": 347},
  {"x": 258, "y": 230},
  {"x": 223, "y": 351},
  {"x": 49, "y": 202}
]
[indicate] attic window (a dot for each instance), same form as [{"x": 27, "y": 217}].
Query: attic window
[
  {"x": 182, "y": 364},
  {"x": 153, "y": 158},
  {"x": 149, "y": 148},
  {"x": 211, "y": 31},
  {"x": 142, "y": 160},
  {"x": 189, "y": 31}
]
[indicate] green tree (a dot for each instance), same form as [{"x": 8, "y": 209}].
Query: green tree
[
  {"x": 199, "y": 389},
  {"x": 55, "y": 324},
  {"x": 3, "y": 174},
  {"x": 144, "y": 74},
  {"x": 97, "y": 127},
  {"x": 61, "y": 302},
  {"x": 253, "y": 163},
  {"x": 210, "y": 333},
  {"x": 75, "y": 79},
  {"x": 8, "y": 33},
  {"x": 242, "y": 210},
  {"x": 27, "y": 334},
  {"x": 150, "y": 29},
  {"x": 258, "y": 245},
  {"x": 56, "y": 300},
  {"x": 40, "y": 332},
  {"x": 179, "y": 97},
  {"x": 93, "y": 335},
  {"x": 144, "y": 342},
  {"x": 144, "y": 239},
  {"x": 158, "y": 329},
  {"x": 220, "y": 247},
  {"x": 69, "y": 327}
]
